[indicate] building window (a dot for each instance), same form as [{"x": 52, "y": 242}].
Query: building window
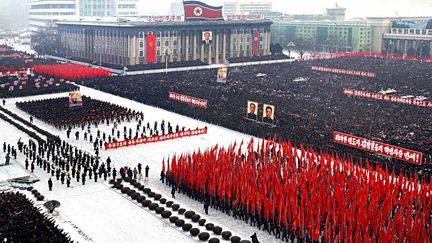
[{"x": 141, "y": 53}]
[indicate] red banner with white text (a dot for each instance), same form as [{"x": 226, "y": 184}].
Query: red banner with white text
[
  {"x": 378, "y": 148},
  {"x": 151, "y": 49},
  {"x": 200, "y": 103},
  {"x": 389, "y": 98},
  {"x": 155, "y": 139},
  {"x": 344, "y": 71}
]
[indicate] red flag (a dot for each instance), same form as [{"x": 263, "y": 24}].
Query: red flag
[
  {"x": 151, "y": 49},
  {"x": 255, "y": 50},
  {"x": 199, "y": 11}
]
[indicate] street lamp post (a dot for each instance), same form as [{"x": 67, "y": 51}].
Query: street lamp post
[
  {"x": 390, "y": 45},
  {"x": 290, "y": 45}
]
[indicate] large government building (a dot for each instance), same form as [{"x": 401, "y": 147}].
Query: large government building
[{"x": 131, "y": 43}]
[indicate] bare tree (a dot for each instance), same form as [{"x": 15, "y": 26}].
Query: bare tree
[{"x": 302, "y": 45}]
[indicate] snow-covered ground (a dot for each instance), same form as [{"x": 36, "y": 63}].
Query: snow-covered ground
[{"x": 97, "y": 213}]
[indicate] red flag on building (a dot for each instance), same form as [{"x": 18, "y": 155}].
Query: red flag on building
[
  {"x": 151, "y": 49},
  {"x": 199, "y": 11},
  {"x": 255, "y": 50}
]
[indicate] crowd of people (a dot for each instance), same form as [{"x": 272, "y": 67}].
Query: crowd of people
[
  {"x": 71, "y": 71},
  {"x": 11, "y": 60},
  {"x": 27, "y": 82},
  {"x": 298, "y": 193},
  {"x": 33, "y": 84},
  {"x": 56, "y": 111},
  {"x": 21, "y": 221},
  {"x": 113, "y": 132},
  {"x": 305, "y": 112}
]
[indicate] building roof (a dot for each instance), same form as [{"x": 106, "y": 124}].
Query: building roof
[{"x": 163, "y": 24}]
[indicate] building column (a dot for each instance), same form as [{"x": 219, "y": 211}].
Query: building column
[
  {"x": 231, "y": 52},
  {"x": 129, "y": 46},
  {"x": 202, "y": 57},
  {"x": 238, "y": 44},
  {"x": 179, "y": 45},
  {"x": 187, "y": 46},
  {"x": 267, "y": 47},
  {"x": 217, "y": 48},
  {"x": 245, "y": 44},
  {"x": 210, "y": 46},
  {"x": 195, "y": 47},
  {"x": 171, "y": 47},
  {"x": 224, "y": 47},
  {"x": 430, "y": 48},
  {"x": 145, "y": 47},
  {"x": 163, "y": 47}
]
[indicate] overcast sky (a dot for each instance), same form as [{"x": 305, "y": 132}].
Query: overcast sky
[{"x": 355, "y": 8}]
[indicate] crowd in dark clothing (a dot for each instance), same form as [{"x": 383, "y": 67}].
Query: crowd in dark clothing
[
  {"x": 33, "y": 84},
  {"x": 306, "y": 112},
  {"x": 257, "y": 58},
  {"x": 15, "y": 60},
  {"x": 21, "y": 221},
  {"x": 114, "y": 132},
  {"x": 148, "y": 66},
  {"x": 56, "y": 111},
  {"x": 28, "y": 83}
]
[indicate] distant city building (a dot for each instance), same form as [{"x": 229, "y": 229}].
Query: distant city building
[
  {"x": 337, "y": 13},
  {"x": 244, "y": 7},
  {"x": 108, "y": 8},
  {"x": 176, "y": 8},
  {"x": 408, "y": 36},
  {"x": 324, "y": 36},
  {"x": 43, "y": 14},
  {"x": 408, "y": 41},
  {"x": 97, "y": 8},
  {"x": 332, "y": 14},
  {"x": 128, "y": 7}
]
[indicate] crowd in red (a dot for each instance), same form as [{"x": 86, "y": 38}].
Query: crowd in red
[
  {"x": 71, "y": 71},
  {"x": 310, "y": 193}
]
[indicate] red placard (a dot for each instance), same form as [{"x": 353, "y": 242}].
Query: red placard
[
  {"x": 378, "y": 148},
  {"x": 200, "y": 103},
  {"x": 389, "y": 98},
  {"x": 344, "y": 71},
  {"x": 155, "y": 139},
  {"x": 151, "y": 49}
]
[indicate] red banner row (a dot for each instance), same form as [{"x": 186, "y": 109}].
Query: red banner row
[
  {"x": 367, "y": 54},
  {"x": 200, "y": 103},
  {"x": 389, "y": 98},
  {"x": 155, "y": 139},
  {"x": 378, "y": 148},
  {"x": 344, "y": 71},
  {"x": 15, "y": 73}
]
